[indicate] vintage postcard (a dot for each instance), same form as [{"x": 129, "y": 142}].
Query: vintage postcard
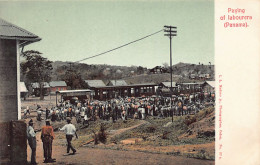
[{"x": 129, "y": 82}]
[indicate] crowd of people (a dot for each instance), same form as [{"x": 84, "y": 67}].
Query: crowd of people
[
  {"x": 121, "y": 108},
  {"x": 125, "y": 108}
]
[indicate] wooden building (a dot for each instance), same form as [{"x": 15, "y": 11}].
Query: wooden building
[
  {"x": 13, "y": 141},
  {"x": 158, "y": 70},
  {"x": 36, "y": 89},
  {"x": 133, "y": 90},
  {"x": 189, "y": 88},
  {"x": 209, "y": 87},
  {"x": 12, "y": 39},
  {"x": 92, "y": 84},
  {"x": 57, "y": 86},
  {"x": 117, "y": 83}
]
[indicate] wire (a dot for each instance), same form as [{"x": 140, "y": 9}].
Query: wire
[{"x": 119, "y": 46}]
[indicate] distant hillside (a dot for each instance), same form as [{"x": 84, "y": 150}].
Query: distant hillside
[{"x": 133, "y": 74}]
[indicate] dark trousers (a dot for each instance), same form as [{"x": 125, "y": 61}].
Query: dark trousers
[
  {"x": 47, "y": 147},
  {"x": 32, "y": 144},
  {"x": 69, "y": 145}
]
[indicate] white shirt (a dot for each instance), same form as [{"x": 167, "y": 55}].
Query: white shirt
[
  {"x": 69, "y": 129},
  {"x": 30, "y": 132}
]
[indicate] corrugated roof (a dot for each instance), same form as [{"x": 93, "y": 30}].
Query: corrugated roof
[
  {"x": 23, "y": 87},
  {"x": 168, "y": 84},
  {"x": 117, "y": 82},
  {"x": 58, "y": 84},
  {"x": 10, "y": 31},
  {"x": 95, "y": 83},
  {"x": 36, "y": 85},
  {"x": 211, "y": 83}
]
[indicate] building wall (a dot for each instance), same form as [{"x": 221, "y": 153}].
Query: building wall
[
  {"x": 8, "y": 83},
  {"x": 209, "y": 89},
  {"x": 13, "y": 143},
  {"x": 54, "y": 89}
]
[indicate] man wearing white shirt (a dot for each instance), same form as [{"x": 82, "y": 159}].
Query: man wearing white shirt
[
  {"x": 31, "y": 136},
  {"x": 70, "y": 131}
]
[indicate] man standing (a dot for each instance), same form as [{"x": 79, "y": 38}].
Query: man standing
[
  {"x": 32, "y": 141},
  {"x": 47, "y": 137},
  {"x": 70, "y": 131}
]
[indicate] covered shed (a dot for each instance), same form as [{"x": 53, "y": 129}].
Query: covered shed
[{"x": 94, "y": 83}]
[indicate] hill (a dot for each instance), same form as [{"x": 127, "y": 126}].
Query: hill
[{"x": 132, "y": 74}]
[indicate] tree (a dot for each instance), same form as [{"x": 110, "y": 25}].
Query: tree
[
  {"x": 73, "y": 79},
  {"x": 165, "y": 65},
  {"x": 36, "y": 69}
]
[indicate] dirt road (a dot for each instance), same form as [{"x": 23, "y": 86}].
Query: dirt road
[{"x": 85, "y": 156}]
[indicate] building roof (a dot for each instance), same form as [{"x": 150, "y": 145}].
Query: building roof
[
  {"x": 128, "y": 86},
  {"x": 95, "y": 83},
  {"x": 36, "y": 85},
  {"x": 23, "y": 87},
  {"x": 10, "y": 31},
  {"x": 117, "y": 83},
  {"x": 58, "y": 84},
  {"x": 211, "y": 83},
  {"x": 168, "y": 84},
  {"x": 74, "y": 91}
]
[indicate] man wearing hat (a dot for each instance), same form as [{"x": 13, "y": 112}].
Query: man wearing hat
[
  {"x": 70, "y": 131},
  {"x": 32, "y": 141},
  {"x": 47, "y": 137}
]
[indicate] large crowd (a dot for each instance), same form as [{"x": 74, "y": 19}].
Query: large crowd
[{"x": 124, "y": 108}]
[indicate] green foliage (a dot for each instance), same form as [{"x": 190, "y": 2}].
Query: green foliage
[
  {"x": 36, "y": 68},
  {"x": 73, "y": 79}
]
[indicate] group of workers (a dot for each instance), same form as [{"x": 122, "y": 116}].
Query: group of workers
[
  {"x": 124, "y": 108},
  {"x": 114, "y": 109},
  {"x": 47, "y": 137}
]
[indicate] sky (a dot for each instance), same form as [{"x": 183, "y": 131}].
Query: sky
[{"x": 72, "y": 31}]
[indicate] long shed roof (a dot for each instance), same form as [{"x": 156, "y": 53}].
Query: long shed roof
[
  {"x": 117, "y": 82},
  {"x": 95, "y": 83}
]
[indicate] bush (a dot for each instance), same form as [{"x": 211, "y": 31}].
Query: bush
[
  {"x": 189, "y": 120},
  {"x": 102, "y": 135}
]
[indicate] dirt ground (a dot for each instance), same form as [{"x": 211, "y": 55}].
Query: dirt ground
[
  {"x": 88, "y": 156},
  {"x": 123, "y": 153}
]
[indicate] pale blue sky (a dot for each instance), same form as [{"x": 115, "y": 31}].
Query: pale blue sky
[{"x": 71, "y": 31}]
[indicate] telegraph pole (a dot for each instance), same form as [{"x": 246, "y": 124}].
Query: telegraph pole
[
  {"x": 171, "y": 31},
  {"x": 70, "y": 71}
]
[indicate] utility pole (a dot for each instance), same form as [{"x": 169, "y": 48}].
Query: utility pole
[
  {"x": 70, "y": 71},
  {"x": 171, "y": 31}
]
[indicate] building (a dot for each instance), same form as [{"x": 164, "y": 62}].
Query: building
[
  {"x": 23, "y": 90},
  {"x": 158, "y": 70},
  {"x": 74, "y": 95},
  {"x": 13, "y": 141},
  {"x": 209, "y": 87},
  {"x": 12, "y": 40},
  {"x": 189, "y": 88},
  {"x": 164, "y": 89},
  {"x": 94, "y": 83},
  {"x": 117, "y": 83},
  {"x": 57, "y": 86},
  {"x": 133, "y": 90},
  {"x": 36, "y": 89}
]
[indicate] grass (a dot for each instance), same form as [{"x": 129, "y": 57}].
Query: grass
[{"x": 153, "y": 133}]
